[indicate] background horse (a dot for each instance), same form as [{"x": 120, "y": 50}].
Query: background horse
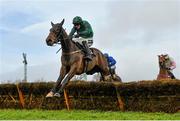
[
  {"x": 72, "y": 59},
  {"x": 163, "y": 72}
]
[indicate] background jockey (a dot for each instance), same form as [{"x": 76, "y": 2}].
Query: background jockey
[
  {"x": 111, "y": 63},
  {"x": 84, "y": 35},
  {"x": 170, "y": 65}
]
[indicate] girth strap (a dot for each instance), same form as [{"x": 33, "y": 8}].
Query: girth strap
[
  {"x": 70, "y": 53},
  {"x": 86, "y": 63}
]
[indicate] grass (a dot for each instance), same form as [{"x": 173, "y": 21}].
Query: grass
[{"x": 13, "y": 114}]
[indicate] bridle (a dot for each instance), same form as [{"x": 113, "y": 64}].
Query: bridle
[{"x": 58, "y": 41}]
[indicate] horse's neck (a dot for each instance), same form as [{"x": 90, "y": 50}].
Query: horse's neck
[
  {"x": 163, "y": 74},
  {"x": 163, "y": 71},
  {"x": 67, "y": 44}
]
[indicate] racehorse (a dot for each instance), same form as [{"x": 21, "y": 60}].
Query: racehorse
[
  {"x": 163, "y": 72},
  {"x": 72, "y": 59}
]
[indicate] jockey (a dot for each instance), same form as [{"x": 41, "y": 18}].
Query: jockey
[
  {"x": 84, "y": 35},
  {"x": 111, "y": 64},
  {"x": 170, "y": 65}
]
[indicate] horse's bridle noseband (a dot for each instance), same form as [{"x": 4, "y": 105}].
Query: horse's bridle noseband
[{"x": 58, "y": 40}]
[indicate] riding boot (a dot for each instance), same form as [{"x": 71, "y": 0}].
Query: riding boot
[
  {"x": 87, "y": 51},
  {"x": 112, "y": 72},
  {"x": 171, "y": 75}
]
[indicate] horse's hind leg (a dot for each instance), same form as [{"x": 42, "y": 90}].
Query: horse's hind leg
[
  {"x": 106, "y": 76},
  {"x": 101, "y": 77},
  {"x": 117, "y": 78}
]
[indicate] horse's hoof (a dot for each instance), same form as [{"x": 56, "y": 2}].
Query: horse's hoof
[
  {"x": 57, "y": 95},
  {"x": 50, "y": 94}
]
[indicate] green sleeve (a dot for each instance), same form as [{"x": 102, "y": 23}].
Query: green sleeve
[
  {"x": 72, "y": 32},
  {"x": 87, "y": 30}
]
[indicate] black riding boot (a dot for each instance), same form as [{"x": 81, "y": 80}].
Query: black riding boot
[
  {"x": 87, "y": 51},
  {"x": 113, "y": 73},
  {"x": 171, "y": 75}
]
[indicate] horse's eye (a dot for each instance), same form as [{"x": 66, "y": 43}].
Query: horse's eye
[{"x": 53, "y": 31}]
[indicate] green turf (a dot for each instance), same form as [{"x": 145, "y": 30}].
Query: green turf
[{"x": 12, "y": 114}]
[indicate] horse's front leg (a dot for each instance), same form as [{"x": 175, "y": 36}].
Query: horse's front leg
[
  {"x": 58, "y": 82},
  {"x": 66, "y": 79}
]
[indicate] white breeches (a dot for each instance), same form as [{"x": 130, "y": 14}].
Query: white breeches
[
  {"x": 80, "y": 40},
  {"x": 113, "y": 67}
]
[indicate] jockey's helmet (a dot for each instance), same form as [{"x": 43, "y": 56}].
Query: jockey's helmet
[{"x": 77, "y": 20}]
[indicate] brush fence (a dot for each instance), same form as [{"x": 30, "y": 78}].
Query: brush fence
[{"x": 147, "y": 96}]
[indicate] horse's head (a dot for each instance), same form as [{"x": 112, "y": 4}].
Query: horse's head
[
  {"x": 55, "y": 34},
  {"x": 162, "y": 60}
]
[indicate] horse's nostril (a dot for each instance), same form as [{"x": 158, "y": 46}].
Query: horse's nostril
[{"x": 48, "y": 41}]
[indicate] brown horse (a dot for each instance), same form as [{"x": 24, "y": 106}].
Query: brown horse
[
  {"x": 72, "y": 59},
  {"x": 163, "y": 72}
]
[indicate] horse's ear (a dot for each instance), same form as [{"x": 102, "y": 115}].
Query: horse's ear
[
  {"x": 52, "y": 24},
  {"x": 62, "y": 22}
]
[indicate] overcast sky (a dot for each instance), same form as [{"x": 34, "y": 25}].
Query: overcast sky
[{"x": 134, "y": 32}]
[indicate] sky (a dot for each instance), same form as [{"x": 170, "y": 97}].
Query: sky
[{"x": 134, "y": 32}]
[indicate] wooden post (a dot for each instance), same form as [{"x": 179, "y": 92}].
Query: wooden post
[
  {"x": 21, "y": 97},
  {"x": 120, "y": 100},
  {"x": 30, "y": 99},
  {"x": 66, "y": 97}
]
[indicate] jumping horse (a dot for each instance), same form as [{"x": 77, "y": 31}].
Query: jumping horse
[
  {"x": 163, "y": 72},
  {"x": 72, "y": 59}
]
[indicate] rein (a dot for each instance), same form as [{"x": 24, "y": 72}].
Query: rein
[
  {"x": 58, "y": 50},
  {"x": 58, "y": 42},
  {"x": 64, "y": 53}
]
